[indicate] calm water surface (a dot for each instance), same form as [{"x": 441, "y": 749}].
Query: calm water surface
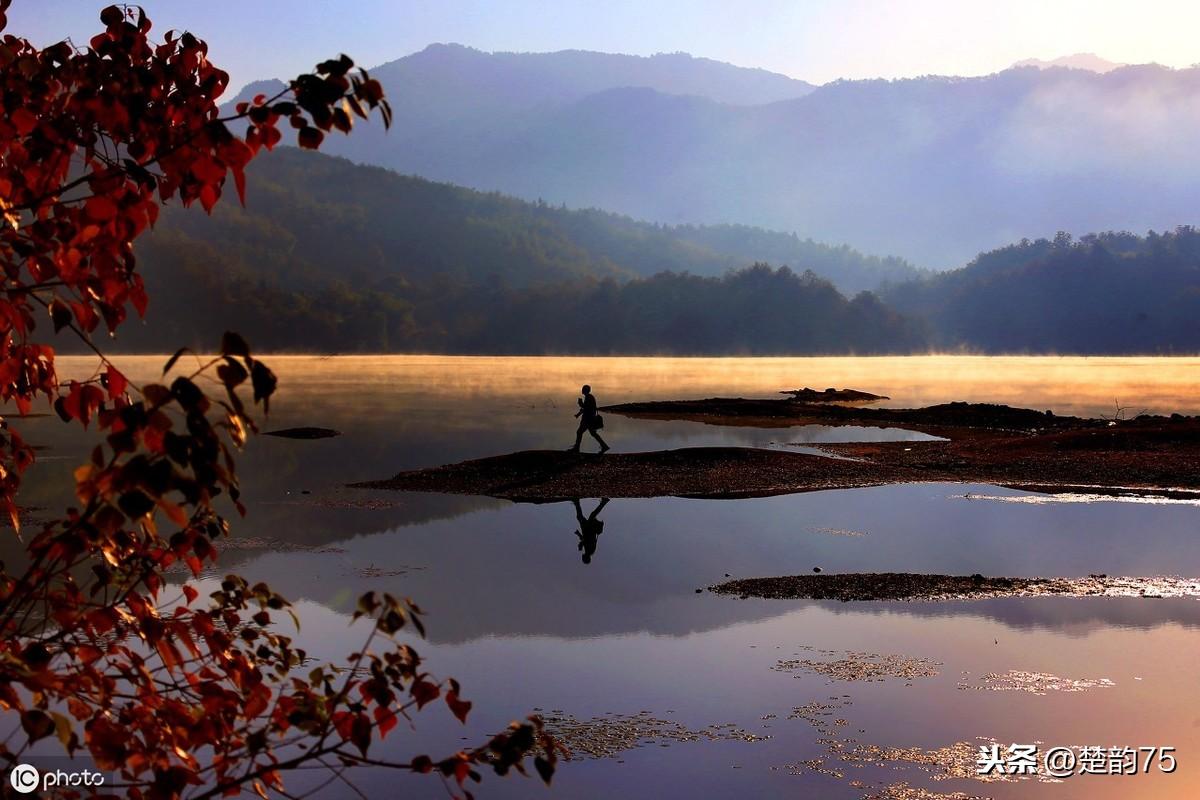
[{"x": 524, "y": 623}]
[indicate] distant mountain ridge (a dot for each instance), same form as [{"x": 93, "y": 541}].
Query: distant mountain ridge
[
  {"x": 933, "y": 169},
  {"x": 1088, "y": 61},
  {"x": 449, "y": 81}
]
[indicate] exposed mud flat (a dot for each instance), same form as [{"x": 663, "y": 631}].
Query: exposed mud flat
[
  {"x": 609, "y": 735},
  {"x": 807, "y": 395},
  {"x": 945, "y": 419},
  {"x": 1152, "y": 456},
  {"x": 1059, "y": 495},
  {"x": 982, "y": 443},
  {"x": 985, "y": 443},
  {"x": 867, "y": 586},
  {"x": 717, "y": 472}
]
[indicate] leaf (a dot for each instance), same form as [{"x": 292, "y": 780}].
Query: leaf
[
  {"x": 24, "y": 121},
  {"x": 424, "y": 692},
  {"x": 64, "y": 731},
  {"x": 60, "y": 314},
  {"x": 136, "y": 504},
  {"x": 209, "y": 195},
  {"x": 112, "y": 15},
  {"x": 232, "y": 344},
  {"x": 386, "y": 719},
  {"x": 232, "y": 374},
  {"x": 100, "y": 209},
  {"x": 264, "y": 382},
  {"x": 117, "y": 383},
  {"x": 239, "y": 181},
  {"x": 171, "y": 361},
  {"x": 460, "y": 708},
  {"x": 37, "y": 724},
  {"x": 310, "y": 138},
  {"x": 190, "y": 395},
  {"x": 360, "y": 733}
]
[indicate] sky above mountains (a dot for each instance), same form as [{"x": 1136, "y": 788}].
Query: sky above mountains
[{"x": 814, "y": 40}]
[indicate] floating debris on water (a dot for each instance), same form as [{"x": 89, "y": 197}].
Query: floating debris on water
[
  {"x": 902, "y": 791},
  {"x": 837, "y": 532},
  {"x": 373, "y": 571},
  {"x": 339, "y": 503},
  {"x": 606, "y": 735},
  {"x": 270, "y": 543},
  {"x": 859, "y": 666},
  {"x": 845, "y": 755},
  {"x": 1016, "y": 680}
]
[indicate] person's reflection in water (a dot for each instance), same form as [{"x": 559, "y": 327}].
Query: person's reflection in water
[{"x": 590, "y": 528}]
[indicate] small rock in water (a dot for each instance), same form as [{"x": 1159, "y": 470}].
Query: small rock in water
[
  {"x": 816, "y": 569},
  {"x": 304, "y": 433},
  {"x": 698, "y": 591}
]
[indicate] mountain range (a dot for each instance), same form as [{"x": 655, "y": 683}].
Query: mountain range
[
  {"x": 329, "y": 256},
  {"x": 1088, "y": 61},
  {"x": 933, "y": 169}
]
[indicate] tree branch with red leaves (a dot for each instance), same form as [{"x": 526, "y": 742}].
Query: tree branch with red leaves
[{"x": 179, "y": 697}]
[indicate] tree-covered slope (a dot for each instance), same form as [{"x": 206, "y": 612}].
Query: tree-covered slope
[
  {"x": 1105, "y": 293},
  {"x": 333, "y": 256}
]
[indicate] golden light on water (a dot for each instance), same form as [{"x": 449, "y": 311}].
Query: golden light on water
[{"x": 1066, "y": 384}]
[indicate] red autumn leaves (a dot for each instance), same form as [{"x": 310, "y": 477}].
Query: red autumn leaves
[{"x": 99, "y": 649}]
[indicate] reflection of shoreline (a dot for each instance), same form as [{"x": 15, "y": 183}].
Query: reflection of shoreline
[
  {"x": 579, "y": 614},
  {"x": 1070, "y": 616}
]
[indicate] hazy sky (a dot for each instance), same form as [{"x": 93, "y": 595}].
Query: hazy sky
[{"x": 817, "y": 40}]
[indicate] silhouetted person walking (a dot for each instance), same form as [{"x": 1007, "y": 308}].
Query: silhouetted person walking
[
  {"x": 590, "y": 528},
  {"x": 589, "y": 420}
]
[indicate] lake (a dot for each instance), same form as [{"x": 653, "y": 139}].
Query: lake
[{"x": 666, "y": 692}]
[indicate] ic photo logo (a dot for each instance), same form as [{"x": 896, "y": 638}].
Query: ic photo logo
[{"x": 25, "y": 778}]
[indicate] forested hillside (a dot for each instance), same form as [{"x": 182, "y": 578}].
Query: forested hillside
[
  {"x": 334, "y": 257},
  {"x": 1106, "y": 293},
  {"x": 372, "y": 260}
]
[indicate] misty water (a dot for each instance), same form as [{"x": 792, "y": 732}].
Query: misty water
[{"x": 678, "y": 693}]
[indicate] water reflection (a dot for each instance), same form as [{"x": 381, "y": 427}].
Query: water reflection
[
  {"x": 589, "y": 528},
  {"x": 646, "y": 578}
]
